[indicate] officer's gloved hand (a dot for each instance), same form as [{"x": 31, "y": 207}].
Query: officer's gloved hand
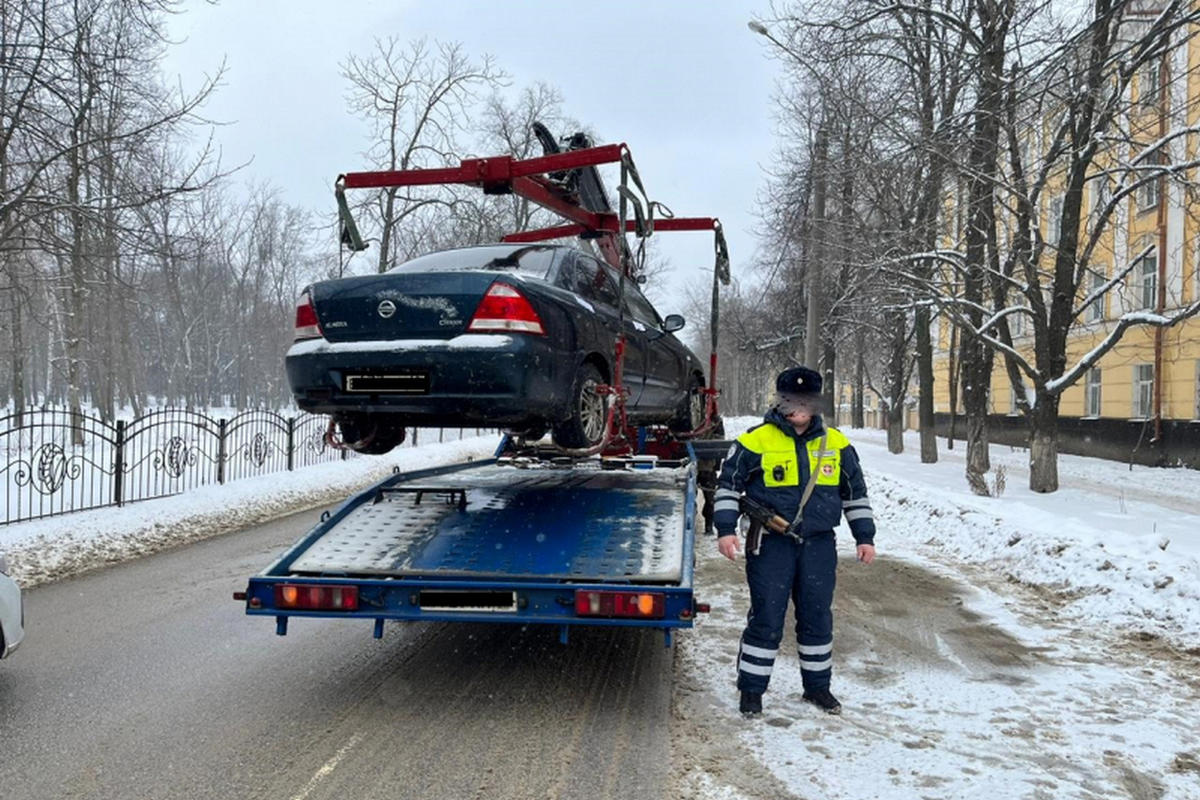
[{"x": 728, "y": 545}]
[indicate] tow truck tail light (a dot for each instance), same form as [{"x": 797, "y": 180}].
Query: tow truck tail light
[
  {"x": 504, "y": 308},
  {"x": 310, "y": 596},
  {"x": 307, "y": 324},
  {"x": 640, "y": 605}
]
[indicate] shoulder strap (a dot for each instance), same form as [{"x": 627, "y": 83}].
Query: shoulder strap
[{"x": 810, "y": 485}]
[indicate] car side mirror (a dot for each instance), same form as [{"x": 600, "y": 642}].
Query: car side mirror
[{"x": 673, "y": 322}]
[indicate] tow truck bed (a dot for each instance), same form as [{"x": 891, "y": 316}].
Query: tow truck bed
[{"x": 489, "y": 541}]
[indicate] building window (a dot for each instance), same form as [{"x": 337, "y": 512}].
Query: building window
[
  {"x": 1146, "y": 275},
  {"x": 1101, "y": 195},
  {"x": 1095, "y": 309},
  {"x": 1016, "y": 322},
  {"x": 1091, "y": 393},
  {"x": 1054, "y": 221},
  {"x": 1150, "y": 84},
  {"x": 1143, "y": 391},
  {"x": 1148, "y": 191}
]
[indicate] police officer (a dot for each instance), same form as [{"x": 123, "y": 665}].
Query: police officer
[{"x": 792, "y": 456}]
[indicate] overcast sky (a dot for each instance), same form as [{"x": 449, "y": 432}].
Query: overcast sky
[{"x": 686, "y": 85}]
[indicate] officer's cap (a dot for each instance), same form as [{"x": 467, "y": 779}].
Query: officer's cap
[
  {"x": 798, "y": 388},
  {"x": 799, "y": 380}
]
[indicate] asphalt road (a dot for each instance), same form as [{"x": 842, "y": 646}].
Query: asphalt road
[{"x": 146, "y": 680}]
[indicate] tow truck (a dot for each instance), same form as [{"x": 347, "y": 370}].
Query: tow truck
[{"x": 601, "y": 536}]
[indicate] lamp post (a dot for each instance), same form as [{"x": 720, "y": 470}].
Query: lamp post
[{"x": 812, "y": 273}]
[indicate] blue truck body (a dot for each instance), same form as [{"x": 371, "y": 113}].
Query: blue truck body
[{"x": 501, "y": 540}]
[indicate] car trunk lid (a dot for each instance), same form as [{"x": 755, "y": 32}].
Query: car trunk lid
[{"x": 400, "y": 305}]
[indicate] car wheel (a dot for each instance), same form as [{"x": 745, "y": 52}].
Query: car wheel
[
  {"x": 369, "y": 435},
  {"x": 690, "y": 414},
  {"x": 529, "y": 434},
  {"x": 589, "y": 411}
]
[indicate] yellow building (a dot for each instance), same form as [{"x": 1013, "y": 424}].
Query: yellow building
[{"x": 1150, "y": 382}]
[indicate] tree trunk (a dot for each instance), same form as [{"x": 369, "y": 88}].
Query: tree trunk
[
  {"x": 925, "y": 421},
  {"x": 18, "y": 349},
  {"x": 895, "y": 429},
  {"x": 897, "y": 386},
  {"x": 1043, "y": 444},
  {"x": 859, "y": 417},
  {"x": 953, "y": 368},
  {"x": 385, "y": 232},
  {"x": 828, "y": 386}
]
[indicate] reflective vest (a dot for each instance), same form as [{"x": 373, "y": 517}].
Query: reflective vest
[{"x": 779, "y": 459}]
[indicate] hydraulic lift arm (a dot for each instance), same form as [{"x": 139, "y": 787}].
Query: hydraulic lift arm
[{"x": 541, "y": 180}]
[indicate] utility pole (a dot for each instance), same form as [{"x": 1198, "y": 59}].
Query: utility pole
[{"x": 816, "y": 251}]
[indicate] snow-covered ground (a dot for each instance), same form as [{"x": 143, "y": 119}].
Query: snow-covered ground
[
  {"x": 1020, "y": 646},
  {"x": 1024, "y": 646},
  {"x": 56, "y": 547}
]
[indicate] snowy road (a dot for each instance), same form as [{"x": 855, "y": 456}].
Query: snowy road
[
  {"x": 1013, "y": 648},
  {"x": 147, "y": 680}
]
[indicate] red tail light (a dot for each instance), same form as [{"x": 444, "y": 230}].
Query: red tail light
[
  {"x": 316, "y": 597},
  {"x": 307, "y": 324},
  {"x": 504, "y": 308},
  {"x": 643, "y": 605}
]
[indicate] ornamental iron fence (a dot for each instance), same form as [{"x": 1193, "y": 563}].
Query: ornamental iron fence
[{"x": 55, "y": 462}]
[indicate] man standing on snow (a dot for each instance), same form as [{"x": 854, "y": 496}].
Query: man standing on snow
[{"x": 794, "y": 468}]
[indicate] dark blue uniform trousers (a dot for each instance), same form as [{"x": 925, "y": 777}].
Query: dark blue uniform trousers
[{"x": 805, "y": 572}]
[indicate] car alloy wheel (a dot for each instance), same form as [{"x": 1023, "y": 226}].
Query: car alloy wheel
[
  {"x": 593, "y": 410},
  {"x": 696, "y": 402},
  {"x": 585, "y": 425},
  {"x": 689, "y": 415}
]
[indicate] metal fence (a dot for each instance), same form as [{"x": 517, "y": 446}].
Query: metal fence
[{"x": 54, "y": 462}]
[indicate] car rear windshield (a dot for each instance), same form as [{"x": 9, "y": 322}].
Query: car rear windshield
[{"x": 529, "y": 261}]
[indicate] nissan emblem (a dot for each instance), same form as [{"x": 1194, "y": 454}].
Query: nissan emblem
[{"x": 386, "y": 309}]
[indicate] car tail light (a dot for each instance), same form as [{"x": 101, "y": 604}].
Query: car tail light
[
  {"x": 316, "y": 597},
  {"x": 307, "y": 324},
  {"x": 504, "y": 308},
  {"x": 642, "y": 605}
]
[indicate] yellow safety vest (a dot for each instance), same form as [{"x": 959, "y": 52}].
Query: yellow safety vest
[{"x": 778, "y": 453}]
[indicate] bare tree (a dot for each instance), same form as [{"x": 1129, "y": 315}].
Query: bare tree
[{"x": 417, "y": 98}]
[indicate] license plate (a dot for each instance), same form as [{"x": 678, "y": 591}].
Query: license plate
[
  {"x": 416, "y": 382},
  {"x": 467, "y": 600}
]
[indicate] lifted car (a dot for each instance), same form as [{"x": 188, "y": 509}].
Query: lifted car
[{"x": 509, "y": 336}]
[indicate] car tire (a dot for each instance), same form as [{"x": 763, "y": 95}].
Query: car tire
[
  {"x": 371, "y": 436},
  {"x": 690, "y": 414},
  {"x": 589, "y": 412}
]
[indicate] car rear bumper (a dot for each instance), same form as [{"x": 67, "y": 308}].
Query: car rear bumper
[{"x": 472, "y": 378}]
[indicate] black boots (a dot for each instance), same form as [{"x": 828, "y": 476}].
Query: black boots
[
  {"x": 750, "y": 704},
  {"x": 824, "y": 700}
]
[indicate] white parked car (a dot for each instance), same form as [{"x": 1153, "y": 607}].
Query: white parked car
[{"x": 12, "y": 612}]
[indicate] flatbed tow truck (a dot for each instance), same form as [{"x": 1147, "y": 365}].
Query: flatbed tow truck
[{"x": 536, "y": 534}]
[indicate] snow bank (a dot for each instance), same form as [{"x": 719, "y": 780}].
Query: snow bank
[
  {"x": 1116, "y": 546},
  {"x": 57, "y": 547}
]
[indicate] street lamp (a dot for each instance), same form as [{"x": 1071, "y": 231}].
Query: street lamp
[{"x": 812, "y": 313}]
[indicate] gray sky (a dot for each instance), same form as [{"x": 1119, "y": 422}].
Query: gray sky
[{"x": 686, "y": 85}]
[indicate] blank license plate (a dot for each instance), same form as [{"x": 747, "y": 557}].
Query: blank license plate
[
  {"x": 467, "y": 600},
  {"x": 389, "y": 383}
]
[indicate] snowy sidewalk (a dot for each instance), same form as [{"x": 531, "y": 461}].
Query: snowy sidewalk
[
  {"x": 1126, "y": 555},
  {"x": 1026, "y": 646}
]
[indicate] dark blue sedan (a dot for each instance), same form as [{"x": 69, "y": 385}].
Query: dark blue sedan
[{"x": 508, "y": 336}]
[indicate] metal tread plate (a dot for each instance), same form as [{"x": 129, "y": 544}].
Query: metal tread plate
[{"x": 538, "y": 524}]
